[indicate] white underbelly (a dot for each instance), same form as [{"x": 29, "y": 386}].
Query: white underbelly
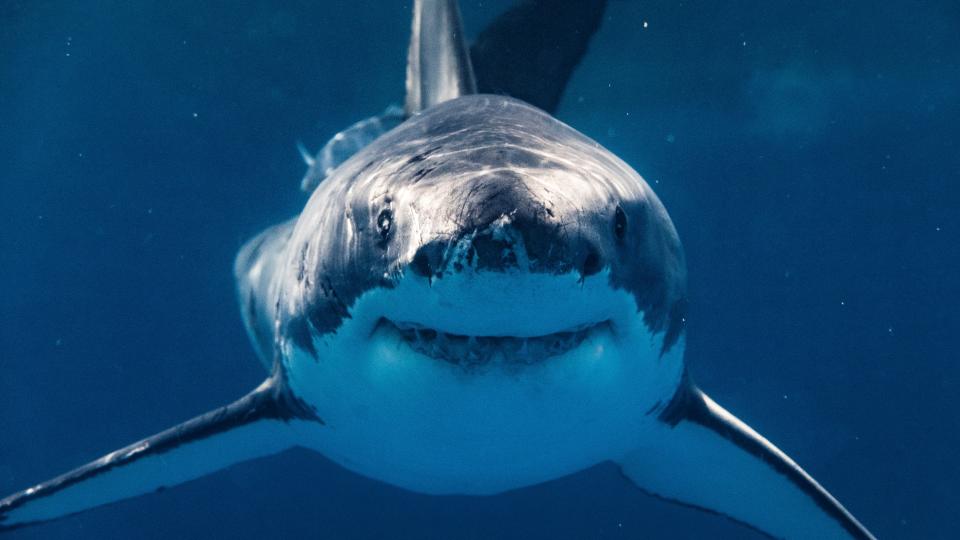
[{"x": 434, "y": 427}]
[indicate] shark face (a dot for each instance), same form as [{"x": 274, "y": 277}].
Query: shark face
[
  {"x": 482, "y": 186},
  {"x": 517, "y": 279}
]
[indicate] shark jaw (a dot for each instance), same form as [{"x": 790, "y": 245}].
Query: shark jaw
[
  {"x": 427, "y": 386},
  {"x": 475, "y": 352}
]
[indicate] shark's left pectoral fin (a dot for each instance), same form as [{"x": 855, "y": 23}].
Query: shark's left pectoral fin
[
  {"x": 705, "y": 457},
  {"x": 256, "y": 425}
]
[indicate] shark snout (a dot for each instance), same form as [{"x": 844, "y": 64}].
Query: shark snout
[{"x": 511, "y": 230}]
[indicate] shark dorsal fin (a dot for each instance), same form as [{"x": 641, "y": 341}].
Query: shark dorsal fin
[{"x": 438, "y": 64}]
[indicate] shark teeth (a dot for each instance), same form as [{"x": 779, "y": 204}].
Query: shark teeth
[{"x": 473, "y": 351}]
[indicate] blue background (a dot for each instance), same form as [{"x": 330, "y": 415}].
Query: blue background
[{"x": 808, "y": 153}]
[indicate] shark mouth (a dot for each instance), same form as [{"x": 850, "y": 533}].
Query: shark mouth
[{"x": 476, "y": 351}]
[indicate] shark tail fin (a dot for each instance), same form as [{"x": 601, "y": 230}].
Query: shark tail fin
[
  {"x": 530, "y": 51},
  {"x": 256, "y": 425},
  {"x": 438, "y": 62},
  {"x": 708, "y": 459}
]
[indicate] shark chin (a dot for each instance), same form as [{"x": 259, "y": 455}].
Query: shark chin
[{"x": 447, "y": 401}]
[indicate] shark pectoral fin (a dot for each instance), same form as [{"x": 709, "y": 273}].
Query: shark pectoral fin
[
  {"x": 346, "y": 143},
  {"x": 254, "y": 426},
  {"x": 706, "y": 458},
  {"x": 305, "y": 155}
]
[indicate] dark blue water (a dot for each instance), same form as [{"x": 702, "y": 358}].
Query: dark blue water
[{"x": 808, "y": 153}]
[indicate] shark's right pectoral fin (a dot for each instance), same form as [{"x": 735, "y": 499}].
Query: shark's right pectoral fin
[
  {"x": 345, "y": 145},
  {"x": 259, "y": 424},
  {"x": 705, "y": 457}
]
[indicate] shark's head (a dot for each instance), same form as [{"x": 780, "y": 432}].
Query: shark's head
[{"x": 480, "y": 261}]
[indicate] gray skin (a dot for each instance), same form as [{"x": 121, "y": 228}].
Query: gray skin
[{"x": 465, "y": 160}]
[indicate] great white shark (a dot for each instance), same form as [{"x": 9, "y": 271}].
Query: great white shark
[{"x": 479, "y": 299}]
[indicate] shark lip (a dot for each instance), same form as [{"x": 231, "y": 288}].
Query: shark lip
[{"x": 476, "y": 351}]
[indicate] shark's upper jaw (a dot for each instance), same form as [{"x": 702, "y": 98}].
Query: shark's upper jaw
[
  {"x": 503, "y": 349},
  {"x": 495, "y": 289}
]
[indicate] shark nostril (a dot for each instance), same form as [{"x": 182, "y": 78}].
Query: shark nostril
[{"x": 591, "y": 264}]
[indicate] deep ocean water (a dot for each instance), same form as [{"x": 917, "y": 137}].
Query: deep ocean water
[{"x": 809, "y": 154}]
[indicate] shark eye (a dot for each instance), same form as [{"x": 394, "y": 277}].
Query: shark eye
[
  {"x": 384, "y": 223},
  {"x": 620, "y": 223}
]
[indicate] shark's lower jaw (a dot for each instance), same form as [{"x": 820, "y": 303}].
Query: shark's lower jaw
[
  {"x": 470, "y": 351},
  {"x": 437, "y": 373}
]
